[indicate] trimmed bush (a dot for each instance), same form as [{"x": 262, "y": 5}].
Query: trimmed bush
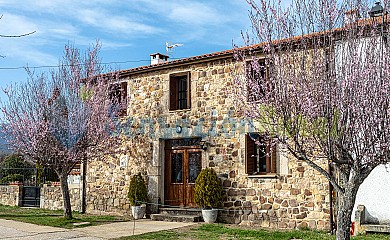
[
  {"x": 14, "y": 168},
  {"x": 138, "y": 194},
  {"x": 12, "y": 178},
  {"x": 208, "y": 189}
]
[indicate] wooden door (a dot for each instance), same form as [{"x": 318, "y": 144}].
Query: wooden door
[
  {"x": 193, "y": 168},
  {"x": 182, "y": 167}
]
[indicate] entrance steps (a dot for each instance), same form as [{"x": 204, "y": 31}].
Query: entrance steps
[
  {"x": 174, "y": 214},
  {"x": 362, "y": 225},
  {"x": 377, "y": 228}
]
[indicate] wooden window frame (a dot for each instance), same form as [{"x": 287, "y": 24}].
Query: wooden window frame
[
  {"x": 180, "y": 91},
  {"x": 252, "y": 166},
  {"x": 118, "y": 96}
]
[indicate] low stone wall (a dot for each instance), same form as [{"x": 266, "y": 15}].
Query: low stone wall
[
  {"x": 51, "y": 197},
  {"x": 10, "y": 195}
]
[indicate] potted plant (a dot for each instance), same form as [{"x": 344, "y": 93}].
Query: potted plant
[
  {"x": 208, "y": 194},
  {"x": 138, "y": 196}
]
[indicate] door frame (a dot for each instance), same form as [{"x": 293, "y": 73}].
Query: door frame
[{"x": 186, "y": 150}]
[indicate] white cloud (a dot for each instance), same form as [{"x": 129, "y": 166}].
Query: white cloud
[
  {"x": 108, "y": 22},
  {"x": 102, "y": 15},
  {"x": 63, "y": 31},
  {"x": 195, "y": 13},
  {"x": 107, "y": 44},
  {"x": 124, "y": 25},
  {"x": 11, "y": 24},
  {"x": 27, "y": 54},
  {"x": 214, "y": 22},
  {"x": 183, "y": 12},
  {"x": 121, "y": 24}
]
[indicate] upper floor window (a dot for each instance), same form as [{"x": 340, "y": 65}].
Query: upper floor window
[
  {"x": 260, "y": 155},
  {"x": 256, "y": 73},
  {"x": 179, "y": 91},
  {"x": 118, "y": 96}
]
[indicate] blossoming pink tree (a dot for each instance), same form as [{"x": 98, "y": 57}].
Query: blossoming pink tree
[
  {"x": 61, "y": 118},
  {"x": 326, "y": 91}
]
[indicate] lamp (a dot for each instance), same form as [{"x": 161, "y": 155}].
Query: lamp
[
  {"x": 376, "y": 10},
  {"x": 204, "y": 145}
]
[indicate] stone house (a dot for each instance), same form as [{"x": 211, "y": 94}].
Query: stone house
[{"x": 177, "y": 118}]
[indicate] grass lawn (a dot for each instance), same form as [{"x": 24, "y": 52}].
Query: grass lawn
[
  {"x": 219, "y": 231},
  {"x": 203, "y": 231},
  {"x": 53, "y": 218}
]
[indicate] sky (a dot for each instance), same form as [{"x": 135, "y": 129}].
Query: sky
[{"x": 129, "y": 31}]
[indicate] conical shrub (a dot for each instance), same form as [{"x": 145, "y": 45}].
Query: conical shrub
[
  {"x": 138, "y": 194},
  {"x": 208, "y": 189}
]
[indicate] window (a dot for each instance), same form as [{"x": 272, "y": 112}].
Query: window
[
  {"x": 260, "y": 156},
  {"x": 256, "y": 78},
  {"x": 179, "y": 90},
  {"x": 118, "y": 96}
]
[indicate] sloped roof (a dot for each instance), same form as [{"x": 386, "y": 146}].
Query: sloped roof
[
  {"x": 168, "y": 64},
  {"x": 255, "y": 47}
]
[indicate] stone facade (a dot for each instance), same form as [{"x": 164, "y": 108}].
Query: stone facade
[
  {"x": 10, "y": 195},
  {"x": 296, "y": 200},
  {"x": 51, "y": 197},
  {"x": 296, "y": 196},
  {"x": 107, "y": 185}
]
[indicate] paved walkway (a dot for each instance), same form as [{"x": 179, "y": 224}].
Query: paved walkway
[{"x": 24, "y": 231}]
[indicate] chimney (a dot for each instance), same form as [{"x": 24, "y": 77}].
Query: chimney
[
  {"x": 376, "y": 10},
  {"x": 157, "y": 58}
]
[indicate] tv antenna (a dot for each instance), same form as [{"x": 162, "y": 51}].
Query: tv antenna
[{"x": 169, "y": 47}]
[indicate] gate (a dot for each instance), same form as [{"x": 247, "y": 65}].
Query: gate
[
  {"x": 31, "y": 196},
  {"x": 29, "y": 180}
]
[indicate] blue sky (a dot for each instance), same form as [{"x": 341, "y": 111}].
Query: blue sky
[{"x": 128, "y": 30}]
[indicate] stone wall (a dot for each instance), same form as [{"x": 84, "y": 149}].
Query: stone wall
[
  {"x": 51, "y": 197},
  {"x": 294, "y": 197},
  {"x": 107, "y": 185},
  {"x": 10, "y": 195},
  {"x": 297, "y": 200}
]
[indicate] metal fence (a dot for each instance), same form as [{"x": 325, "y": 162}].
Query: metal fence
[{"x": 27, "y": 176}]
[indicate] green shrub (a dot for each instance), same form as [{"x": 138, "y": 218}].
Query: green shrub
[
  {"x": 208, "y": 189},
  {"x": 138, "y": 193},
  {"x": 14, "y": 168},
  {"x": 12, "y": 178}
]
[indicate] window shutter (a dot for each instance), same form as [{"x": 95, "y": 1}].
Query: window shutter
[
  {"x": 188, "y": 90},
  {"x": 268, "y": 159},
  {"x": 123, "y": 99},
  {"x": 124, "y": 91},
  {"x": 173, "y": 91},
  {"x": 250, "y": 154},
  {"x": 273, "y": 159}
]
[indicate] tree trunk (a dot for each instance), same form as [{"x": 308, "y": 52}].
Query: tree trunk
[
  {"x": 344, "y": 213},
  {"x": 65, "y": 195}
]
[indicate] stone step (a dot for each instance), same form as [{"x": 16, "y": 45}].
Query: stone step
[
  {"x": 181, "y": 211},
  {"x": 175, "y": 218},
  {"x": 376, "y": 228}
]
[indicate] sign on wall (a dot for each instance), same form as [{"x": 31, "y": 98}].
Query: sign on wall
[{"x": 123, "y": 161}]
